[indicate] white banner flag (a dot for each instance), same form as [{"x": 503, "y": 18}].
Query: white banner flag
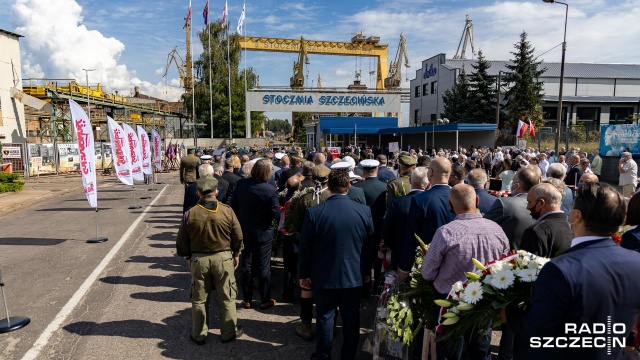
[
  {"x": 157, "y": 150},
  {"x": 134, "y": 150},
  {"x": 240, "y": 22},
  {"x": 84, "y": 134},
  {"x": 120, "y": 152},
  {"x": 145, "y": 151}
]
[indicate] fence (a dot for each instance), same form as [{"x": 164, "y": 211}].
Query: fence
[{"x": 585, "y": 136}]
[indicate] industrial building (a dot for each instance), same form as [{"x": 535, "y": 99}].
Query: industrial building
[{"x": 596, "y": 94}]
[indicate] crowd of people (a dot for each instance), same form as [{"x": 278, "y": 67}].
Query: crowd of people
[{"x": 343, "y": 220}]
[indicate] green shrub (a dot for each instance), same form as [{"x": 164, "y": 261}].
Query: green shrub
[
  {"x": 11, "y": 187},
  {"x": 9, "y": 178}
]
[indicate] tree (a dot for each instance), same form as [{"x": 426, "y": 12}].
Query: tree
[
  {"x": 525, "y": 91},
  {"x": 277, "y": 125},
  {"x": 456, "y": 101},
  {"x": 220, "y": 84},
  {"x": 299, "y": 120},
  {"x": 482, "y": 107}
]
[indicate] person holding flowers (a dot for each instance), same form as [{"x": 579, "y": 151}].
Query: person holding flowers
[
  {"x": 595, "y": 282},
  {"x": 452, "y": 248}
]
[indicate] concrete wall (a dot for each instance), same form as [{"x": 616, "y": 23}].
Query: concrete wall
[
  {"x": 217, "y": 143},
  {"x": 12, "y": 129}
]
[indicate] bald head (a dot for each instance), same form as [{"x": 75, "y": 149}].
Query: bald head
[
  {"x": 440, "y": 169},
  {"x": 587, "y": 178},
  {"x": 463, "y": 199}
]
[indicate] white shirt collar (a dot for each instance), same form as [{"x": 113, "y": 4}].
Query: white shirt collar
[
  {"x": 581, "y": 239},
  {"x": 415, "y": 190}
]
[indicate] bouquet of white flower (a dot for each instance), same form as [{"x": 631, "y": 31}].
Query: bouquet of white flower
[{"x": 471, "y": 307}]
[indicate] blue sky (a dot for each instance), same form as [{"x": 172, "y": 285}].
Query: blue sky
[{"x": 128, "y": 41}]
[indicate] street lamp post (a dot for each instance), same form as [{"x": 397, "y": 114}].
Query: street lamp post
[
  {"x": 498, "y": 100},
  {"x": 564, "y": 49},
  {"x": 86, "y": 72}
]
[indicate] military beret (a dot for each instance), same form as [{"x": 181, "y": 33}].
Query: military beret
[
  {"x": 407, "y": 160},
  {"x": 320, "y": 171},
  {"x": 206, "y": 185}
]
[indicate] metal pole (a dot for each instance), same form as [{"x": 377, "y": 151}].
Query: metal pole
[
  {"x": 210, "y": 75},
  {"x": 229, "y": 68},
  {"x": 498, "y": 99},
  {"x": 564, "y": 49},
  {"x": 86, "y": 72}
]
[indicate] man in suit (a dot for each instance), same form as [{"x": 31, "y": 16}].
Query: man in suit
[
  {"x": 355, "y": 193},
  {"x": 255, "y": 202},
  {"x": 230, "y": 177},
  {"x": 574, "y": 171},
  {"x": 558, "y": 171},
  {"x": 384, "y": 173},
  {"x": 332, "y": 260},
  {"x": 511, "y": 212},
  {"x": 296, "y": 167},
  {"x": 218, "y": 170},
  {"x": 430, "y": 210},
  {"x": 478, "y": 180},
  {"x": 550, "y": 235},
  {"x": 188, "y": 166},
  {"x": 396, "y": 225},
  {"x": 593, "y": 282}
]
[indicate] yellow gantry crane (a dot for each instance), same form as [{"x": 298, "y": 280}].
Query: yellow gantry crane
[
  {"x": 368, "y": 47},
  {"x": 297, "y": 80},
  {"x": 185, "y": 80},
  {"x": 395, "y": 73}
]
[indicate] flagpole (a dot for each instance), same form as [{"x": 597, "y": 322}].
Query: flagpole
[
  {"x": 193, "y": 91},
  {"x": 244, "y": 27},
  {"x": 229, "y": 68},
  {"x": 210, "y": 74}
]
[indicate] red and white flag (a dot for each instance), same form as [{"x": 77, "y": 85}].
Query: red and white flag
[
  {"x": 157, "y": 150},
  {"x": 532, "y": 131},
  {"x": 84, "y": 134},
  {"x": 145, "y": 151},
  {"x": 120, "y": 152},
  {"x": 225, "y": 14},
  {"x": 522, "y": 129},
  {"x": 134, "y": 150}
]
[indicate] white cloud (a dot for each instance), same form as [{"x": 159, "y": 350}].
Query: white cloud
[{"x": 58, "y": 45}]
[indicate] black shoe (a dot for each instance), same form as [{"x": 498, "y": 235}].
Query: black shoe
[
  {"x": 198, "y": 342},
  {"x": 239, "y": 332}
]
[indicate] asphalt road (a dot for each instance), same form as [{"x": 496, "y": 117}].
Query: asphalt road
[{"x": 126, "y": 298}]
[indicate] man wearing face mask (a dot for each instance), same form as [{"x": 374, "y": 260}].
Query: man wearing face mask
[
  {"x": 594, "y": 282},
  {"x": 550, "y": 235}
]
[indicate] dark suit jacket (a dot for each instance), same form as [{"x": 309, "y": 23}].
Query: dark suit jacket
[
  {"x": 549, "y": 238},
  {"x": 191, "y": 197},
  {"x": 372, "y": 188},
  {"x": 486, "y": 200},
  {"x": 429, "y": 211},
  {"x": 631, "y": 239},
  {"x": 256, "y": 205},
  {"x": 232, "y": 179},
  {"x": 395, "y": 232},
  {"x": 385, "y": 174},
  {"x": 333, "y": 242},
  {"x": 513, "y": 217},
  {"x": 357, "y": 194},
  {"x": 224, "y": 185},
  {"x": 571, "y": 175},
  {"x": 282, "y": 182},
  {"x": 588, "y": 283}
]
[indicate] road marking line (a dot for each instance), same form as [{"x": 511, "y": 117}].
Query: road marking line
[{"x": 84, "y": 288}]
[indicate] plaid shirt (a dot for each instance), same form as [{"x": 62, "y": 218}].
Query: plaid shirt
[{"x": 454, "y": 244}]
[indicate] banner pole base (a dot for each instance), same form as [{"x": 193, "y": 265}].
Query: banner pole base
[
  {"x": 13, "y": 323},
  {"x": 145, "y": 197},
  {"x": 95, "y": 240},
  {"x": 135, "y": 207}
]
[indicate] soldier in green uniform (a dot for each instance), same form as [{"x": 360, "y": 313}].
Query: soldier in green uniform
[
  {"x": 210, "y": 239},
  {"x": 293, "y": 223},
  {"x": 188, "y": 165},
  {"x": 402, "y": 185}
]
